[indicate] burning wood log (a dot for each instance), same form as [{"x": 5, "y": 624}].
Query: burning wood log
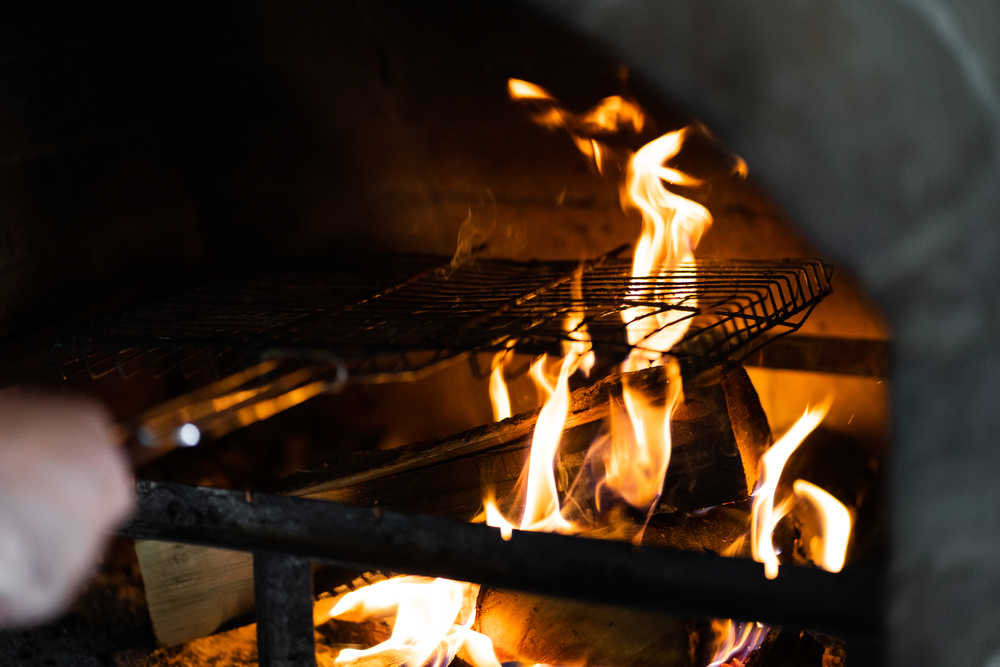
[
  {"x": 718, "y": 432},
  {"x": 535, "y": 629}
]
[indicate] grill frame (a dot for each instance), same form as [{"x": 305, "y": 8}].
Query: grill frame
[{"x": 400, "y": 317}]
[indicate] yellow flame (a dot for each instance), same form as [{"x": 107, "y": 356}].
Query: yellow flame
[
  {"x": 519, "y": 89},
  {"x": 764, "y": 517},
  {"x": 672, "y": 226},
  {"x": 610, "y": 115},
  {"x": 735, "y": 640},
  {"x": 637, "y": 460},
  {"x": 541, "y": 502},
  {"x": 496, "y": 519},
  {"x": 830, "y": 550},
  {"x": 579, "y": 338},
  {"x": 430, "y": 618},
  {"x": 499, "y": 396}
]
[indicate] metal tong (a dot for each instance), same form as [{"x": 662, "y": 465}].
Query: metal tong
[{"x": 212, "y": 411}]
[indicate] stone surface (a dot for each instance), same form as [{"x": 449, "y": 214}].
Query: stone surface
[{"x": 877, "y": 125}]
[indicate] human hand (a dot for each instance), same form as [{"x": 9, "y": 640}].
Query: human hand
[{"x": 64, "y": 485}]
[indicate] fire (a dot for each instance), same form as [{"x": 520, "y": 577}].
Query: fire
[
  {"x": 499, "y": 396},
  {"x": 672, "y": 226},
  {"x": 735, "y": 641},
  {"x": 576, "y": 330},
  {"x": 541, "y": 505},
  {"x": 830, "y": 550},
  {"x": 430, "y": 619},
  {"x": 610, "y": 114},
  {"x": 764, "y": 516},
  {"x": 636, "y": 462},
  {"x": 638, "y": 454}
]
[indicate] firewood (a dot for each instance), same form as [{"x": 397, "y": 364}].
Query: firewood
[
  {"x": 785, "y": 647},
  {"x": 718, "y": 432},
  {"x": 534, "y": 629}
]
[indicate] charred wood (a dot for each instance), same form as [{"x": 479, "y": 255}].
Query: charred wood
[{"x": 718, "y": 433}]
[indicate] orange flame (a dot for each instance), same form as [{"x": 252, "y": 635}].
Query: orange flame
[
  {"x": 830, "y": 550},
  {"x": 735, "y": 641},
  {"x": 764, "y": 516},
  {"x": 541, "y": 503},
  {"x": 499, "y": 396},
  {"x": 431, "y": 621},
  {"x": 637, "y": 460},
  {"x": 672, "y": 226},
  {"x": 579, "y": 337},
  {"x": 610, "y": 114}
]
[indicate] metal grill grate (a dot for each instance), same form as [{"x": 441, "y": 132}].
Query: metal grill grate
[{"x": 400, "y": 316}]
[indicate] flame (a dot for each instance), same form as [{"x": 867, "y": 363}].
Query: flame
[
  {"x": 764, "y": 517},
  {"x": 830, "y": 550},
  {"x": 610, "y": 115},
  {"x": 525, "y": 90},
  {"x": 541, "y": 503},
  {"x": 672, "y": 226},
  {"x": 499, "y": 396},
  {"x": 576, "y": 330},
  {"x": 496, "y": 519},
  {"x": 637, "y": 460},
  {"x": 735, "y": 641},
  {"x": 430, "y": 618}
]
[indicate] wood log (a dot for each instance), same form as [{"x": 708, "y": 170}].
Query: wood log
[
  {"x": 718, "y": 432},
  {"x": 535, "y": 629},
  {"x": 785, "y": 647},
  {"x": 193, "y": 591}
]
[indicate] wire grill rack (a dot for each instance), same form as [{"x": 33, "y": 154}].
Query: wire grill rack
[{"x": 399, "y": 316}]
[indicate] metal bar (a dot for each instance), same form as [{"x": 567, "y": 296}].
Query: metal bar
[
  {"x": 478, "y": 307},
  {"x": 657, "y": 579},
  {"x": 541, "y": 289},
  {"x": 283, "y": 592}
]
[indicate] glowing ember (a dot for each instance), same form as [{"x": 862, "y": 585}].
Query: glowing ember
[
  {"x": 735, "y": 641},
  {"x": 764, "y": 517},
  {"x": 430, "y": 618},
  {"x": 830, "y": 550}
]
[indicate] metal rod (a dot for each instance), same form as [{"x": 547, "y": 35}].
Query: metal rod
[
  {"x": 283, "y": 592},
  {"x": 658, "y": 579}
]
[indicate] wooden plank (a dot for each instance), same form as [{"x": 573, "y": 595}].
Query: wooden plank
[{"x": 191, "y": 591}]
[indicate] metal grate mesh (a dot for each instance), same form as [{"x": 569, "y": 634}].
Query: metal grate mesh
[{"x": 401, "y": 315}]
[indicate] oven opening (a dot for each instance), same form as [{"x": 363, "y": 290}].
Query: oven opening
[{"x": 478, "y": 351}]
